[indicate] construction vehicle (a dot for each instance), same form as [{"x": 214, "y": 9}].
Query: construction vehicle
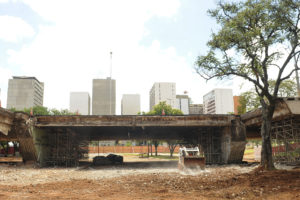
[{"x": 190, "y": 158}]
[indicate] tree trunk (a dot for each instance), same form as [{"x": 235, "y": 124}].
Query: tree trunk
[
  {"x": 171, "y": 152},
  {"x": 266, "y": 150},
  {"x": 155, "y": 145},
  {"x": 172, "y": 147}
]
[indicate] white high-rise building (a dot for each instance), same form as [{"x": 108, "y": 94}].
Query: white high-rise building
[
  {"x": 80, "y": 102},
  {"x": 182, "y": 103},
  {"x": 162, "y": 91},
  {"x": 130, "y": 104},
  {"x": 218, "y": 101},
  {"x": 24, "y": 92},
  {"x": 104, "y": 96}
]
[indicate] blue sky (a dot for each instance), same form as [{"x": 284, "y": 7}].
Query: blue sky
[{"x": 66, "y": 44}]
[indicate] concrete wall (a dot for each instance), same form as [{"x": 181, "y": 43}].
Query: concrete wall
[
  {"x": 80, "y": 102},
  {"x": 233, "y": 142},
  {"x": 104, "y": 97},
  {"x": 130, "y": 104}
]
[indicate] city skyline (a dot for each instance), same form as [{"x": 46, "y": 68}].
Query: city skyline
[
  {"x": 152, "y": 41},
  {"x": 90, "y": 109}
]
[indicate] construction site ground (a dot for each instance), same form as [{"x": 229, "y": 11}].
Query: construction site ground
[{"x": 148, "y": 178}]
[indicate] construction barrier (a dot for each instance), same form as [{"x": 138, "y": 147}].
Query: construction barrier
[{"x": 129, "y": 149}]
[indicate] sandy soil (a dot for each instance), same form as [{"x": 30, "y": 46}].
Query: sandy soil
[{"x": 148, "y": 180}]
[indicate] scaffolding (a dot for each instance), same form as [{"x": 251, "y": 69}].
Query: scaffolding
[
  {"x": 66, "y": 147},
  {"x": 210, "y": 143},
  {"x": 285, "y": 135}
]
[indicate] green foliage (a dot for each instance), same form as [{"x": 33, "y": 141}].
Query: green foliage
[
  {"x": 38, "y": 110},
  {"x": 163, "y": 106},
  {"x": 41, "y": 110},
  {"x": 13, "y": 109},
  {"x": 249, "y": 100},
  {"x": 253, "y": 31},
  {"x": 256, "y": 39}
]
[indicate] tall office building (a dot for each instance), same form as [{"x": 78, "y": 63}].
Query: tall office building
[
  {"x": 163, "y": 92},
  {"x": 80, "y": 102},
  {"x": 24, "y": 92},
  {"x": 130, "y": 104},
  {"x": 104, "y": 97},
  {"x": 218, "y": 101},
  {"x": 182, "y": 103}
]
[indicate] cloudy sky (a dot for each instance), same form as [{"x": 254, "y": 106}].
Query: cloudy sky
[{"x": 66, "y": 44}]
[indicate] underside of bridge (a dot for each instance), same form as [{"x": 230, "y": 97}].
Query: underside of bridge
[
  {"x": 63, "y": 140},
  {"x": 65, "y": 145}
]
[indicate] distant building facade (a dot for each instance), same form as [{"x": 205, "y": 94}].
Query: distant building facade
[
  {"x": 162, "y": 91},
  {"x": 236, "y": 104},
  {"x": 130, "y": 104},
  {"x": 195, "y": 109},
  {"x": 80, "y": 102},
  {"x": 182, "y": 103},
  {"x": 104, "y": 97},
  {"x": 218, "y": 101},
  {"x": 24, "y": 92}
]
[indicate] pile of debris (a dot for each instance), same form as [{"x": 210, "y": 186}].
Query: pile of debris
[{"x": 110, "y": 159}]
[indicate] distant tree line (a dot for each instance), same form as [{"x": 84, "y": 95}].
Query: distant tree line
[
  {"x": 162, "y": 109},
  {"x": 41, "y": 110}
]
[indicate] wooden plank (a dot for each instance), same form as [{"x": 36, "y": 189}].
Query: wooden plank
[{"x": 11, "y": 159}]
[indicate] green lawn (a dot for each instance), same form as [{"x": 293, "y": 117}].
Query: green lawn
[{"x": 249, "y": 151}]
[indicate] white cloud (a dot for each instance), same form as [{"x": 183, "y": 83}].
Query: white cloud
[
  {"x": 5, "y": 74},
  {"x": 74, "y": 49},
  {"x": 14, "y": 29}
]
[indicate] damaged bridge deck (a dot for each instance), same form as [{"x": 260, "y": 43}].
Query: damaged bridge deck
[
  {"x": 6, "y": 121},
  {"x": 135, "y": 121},
  {"x": 62, "y": 140}
]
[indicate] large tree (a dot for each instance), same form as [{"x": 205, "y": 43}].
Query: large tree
[
  {"x": 162, "y": 108},
  {"x": 249, "y": 100},
  {"x": 257, "y": 39}
]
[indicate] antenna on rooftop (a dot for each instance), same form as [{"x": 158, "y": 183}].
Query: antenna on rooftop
[
  {"x": 110, "y": 65},
  {"x": 110, "y": 83}
]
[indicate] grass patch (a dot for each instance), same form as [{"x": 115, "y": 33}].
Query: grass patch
[{"x": 249, "y": 151}]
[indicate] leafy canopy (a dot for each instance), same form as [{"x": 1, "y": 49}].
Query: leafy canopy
[
  {"x": 163, "y": 106},
  {"x": 249, "y": 100},
  {"x": 41, "y": 110},
  {"x": 255, "y": 38}
]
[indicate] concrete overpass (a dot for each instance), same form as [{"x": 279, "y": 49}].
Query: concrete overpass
[
  {"x": 286, "y": 109},
  {"x": 6, "y": 121},
  {"x": 58, "y": 139}
]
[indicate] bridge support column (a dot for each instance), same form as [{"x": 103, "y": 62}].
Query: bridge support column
[
  {"x": 42, "y": 146},
  {"x": 233, "y": 142},
  {"x": 21, "y": 132}
]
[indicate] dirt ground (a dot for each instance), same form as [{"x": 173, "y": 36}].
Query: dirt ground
[{"x": 147, "y": 179}]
